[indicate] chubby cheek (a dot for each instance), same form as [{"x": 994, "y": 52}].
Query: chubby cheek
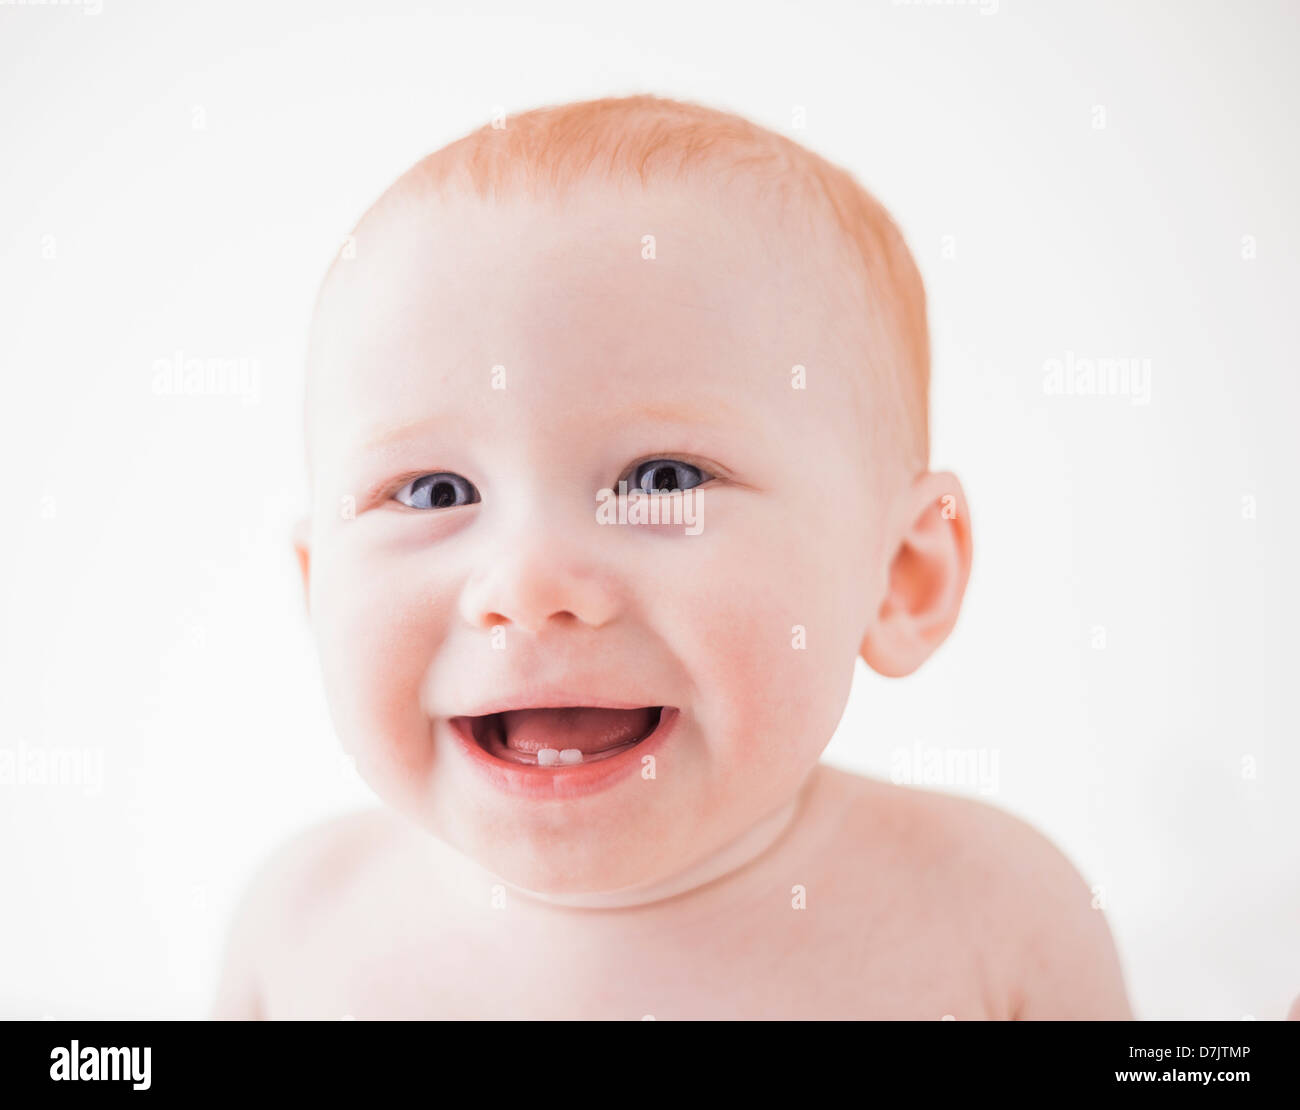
[
  {"x": 769, "y": 639},
  {"x": 376, "y": 630}
]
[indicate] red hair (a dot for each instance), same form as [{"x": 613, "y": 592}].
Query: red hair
[{"x": 648, "y": 138}]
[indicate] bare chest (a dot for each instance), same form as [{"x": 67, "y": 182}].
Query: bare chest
[{"x": 829, "y": 953}]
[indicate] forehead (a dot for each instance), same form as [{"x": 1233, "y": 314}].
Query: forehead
[{"x": 669, "y": 296}]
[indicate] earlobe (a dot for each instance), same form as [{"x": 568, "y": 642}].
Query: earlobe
[
  {"x": 302, "y": 549},
  {"x": 926, "y": 578}
]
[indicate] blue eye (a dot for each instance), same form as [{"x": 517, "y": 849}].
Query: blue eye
[
  {"x": 665, "y": 476},
  {"x": 437, "y": 491}
]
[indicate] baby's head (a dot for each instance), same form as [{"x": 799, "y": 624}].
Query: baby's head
[{"x": 637, "y": 291}]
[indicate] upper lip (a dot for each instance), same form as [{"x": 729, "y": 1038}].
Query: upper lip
[{"x": 551, "y": 699}]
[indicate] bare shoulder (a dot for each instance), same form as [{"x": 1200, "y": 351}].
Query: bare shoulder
[
  {"x": 299, "y": 875},
  {"x": 1048, "y": 947}
]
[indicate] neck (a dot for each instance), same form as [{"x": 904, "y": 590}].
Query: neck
[{"x": 739, "y": 853}]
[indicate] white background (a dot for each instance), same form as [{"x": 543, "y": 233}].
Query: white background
[{"x": 174, "y": 178}]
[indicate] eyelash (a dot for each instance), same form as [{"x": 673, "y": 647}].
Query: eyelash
[{"x": 709, "y": 473}]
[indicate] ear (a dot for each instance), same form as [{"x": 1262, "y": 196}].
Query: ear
[
  {"x": 927, "y": 577},
  {"x": 302, "y": 548}
]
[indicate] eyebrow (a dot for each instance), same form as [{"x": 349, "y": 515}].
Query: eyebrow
[{"x": 713, "y": 411}]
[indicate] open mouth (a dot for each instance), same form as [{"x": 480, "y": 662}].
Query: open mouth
[{"x": 561, "y": 737}]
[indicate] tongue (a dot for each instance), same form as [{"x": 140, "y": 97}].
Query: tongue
[{"x": 588, "y": 730}]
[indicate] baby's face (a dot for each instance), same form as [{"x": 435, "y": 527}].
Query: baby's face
[{"x": 478, "y": 378}]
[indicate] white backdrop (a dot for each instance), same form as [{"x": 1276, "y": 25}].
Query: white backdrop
[{"x": 1078, "y": 182}]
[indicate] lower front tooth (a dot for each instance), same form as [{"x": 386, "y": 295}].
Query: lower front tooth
[
  {"x": 571, "y": 755},
  {"x": 547, "y": 756}
]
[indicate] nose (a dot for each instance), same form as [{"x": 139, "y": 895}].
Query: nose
[{"x": 532, "y": 584}]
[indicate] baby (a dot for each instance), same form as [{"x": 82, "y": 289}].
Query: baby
[{"x": 616, "y": 424}]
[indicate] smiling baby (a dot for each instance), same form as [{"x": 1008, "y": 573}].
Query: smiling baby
[{"x": 616, "y": 424}]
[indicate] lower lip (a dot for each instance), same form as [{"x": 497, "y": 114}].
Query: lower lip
[{"x": 573, "y": 780}]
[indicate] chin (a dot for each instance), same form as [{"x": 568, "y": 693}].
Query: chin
[{"x": 581, "y": 869}]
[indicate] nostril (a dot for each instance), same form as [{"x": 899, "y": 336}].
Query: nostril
[{"x": 528, "y": 622}]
